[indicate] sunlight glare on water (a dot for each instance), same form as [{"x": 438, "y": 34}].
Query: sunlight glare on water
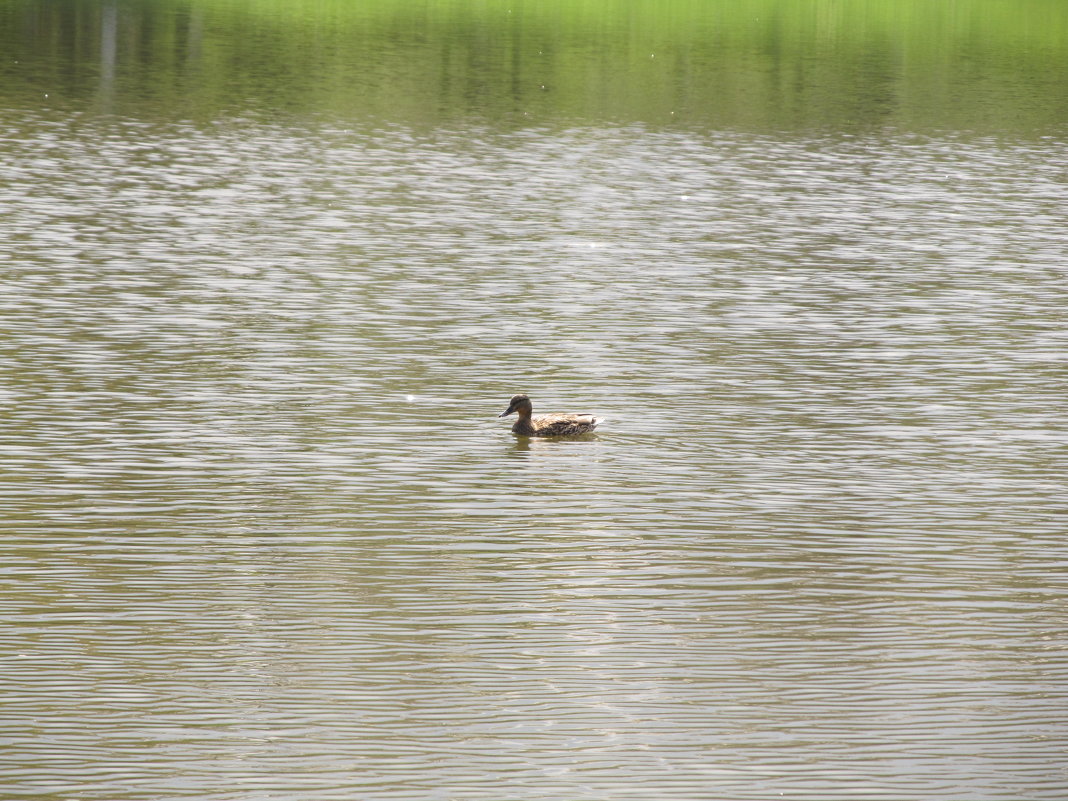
[
  {"x": 252, "y": 383},
  {"x": 265, "y": 536}
]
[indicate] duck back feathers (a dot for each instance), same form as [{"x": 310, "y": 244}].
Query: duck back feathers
[{"x": 561, "y": 425}]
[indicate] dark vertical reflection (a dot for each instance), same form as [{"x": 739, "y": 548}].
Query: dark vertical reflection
[{"x": 109, "y": 20}]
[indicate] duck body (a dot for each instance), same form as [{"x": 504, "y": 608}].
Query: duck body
[{"x": 547, "y": 425}]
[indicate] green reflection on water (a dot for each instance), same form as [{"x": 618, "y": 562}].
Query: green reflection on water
[{"x": 985, "y": 65}]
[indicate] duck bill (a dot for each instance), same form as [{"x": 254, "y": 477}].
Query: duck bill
[{"x": 507, "y": 411}]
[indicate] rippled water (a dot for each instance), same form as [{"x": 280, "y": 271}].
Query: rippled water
[{"x": 265, "y": 537}]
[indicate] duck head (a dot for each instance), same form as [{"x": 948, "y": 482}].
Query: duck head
[{"x": 518, "y": 403}]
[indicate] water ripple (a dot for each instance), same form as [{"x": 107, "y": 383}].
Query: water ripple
[{"x": 265, "y": 535}]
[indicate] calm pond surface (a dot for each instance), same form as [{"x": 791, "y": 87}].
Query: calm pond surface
[{"x": 270, "y": 271}]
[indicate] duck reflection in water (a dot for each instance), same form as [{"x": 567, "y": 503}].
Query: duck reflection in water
[{"x": 547, "y": 425}]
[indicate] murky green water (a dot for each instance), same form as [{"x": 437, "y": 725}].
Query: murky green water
[{"x": 270, "y": 271}]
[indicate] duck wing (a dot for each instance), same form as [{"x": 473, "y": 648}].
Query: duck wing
[{"x": 563, "y": 425}]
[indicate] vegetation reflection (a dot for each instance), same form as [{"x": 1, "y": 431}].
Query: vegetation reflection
[{"x": 983, "y": 65}]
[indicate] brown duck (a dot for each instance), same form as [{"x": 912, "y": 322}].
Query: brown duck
[{"x": 547, "y": 425}]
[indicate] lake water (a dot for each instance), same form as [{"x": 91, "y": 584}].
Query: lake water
[{"x": 270, "y": 272}]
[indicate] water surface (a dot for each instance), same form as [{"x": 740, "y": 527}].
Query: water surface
[{"x": 264, "y": 535}]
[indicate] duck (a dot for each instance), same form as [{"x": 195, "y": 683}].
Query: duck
[{"x": 547, "y": 425}]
